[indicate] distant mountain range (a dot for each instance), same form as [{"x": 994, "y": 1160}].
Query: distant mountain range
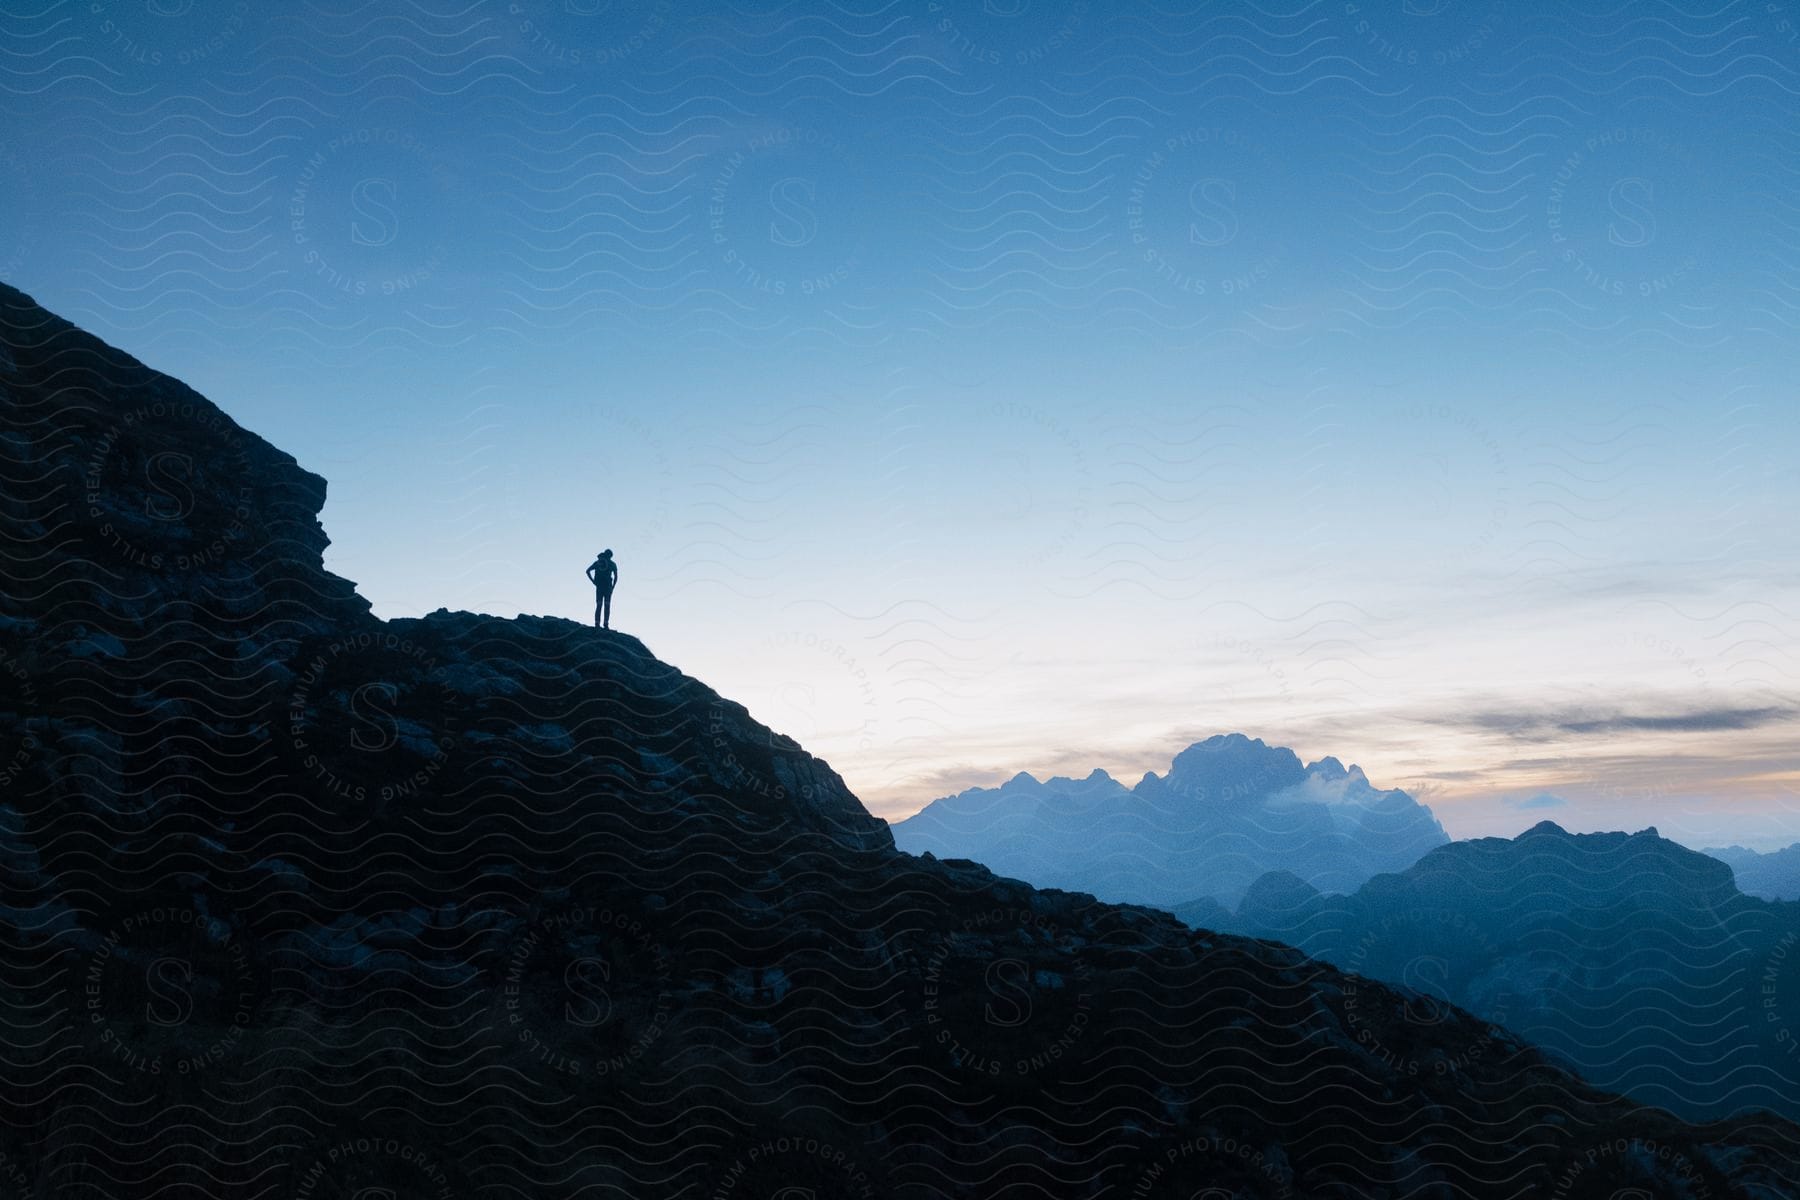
[
  {"x": 1634, "y": 959},
  {"x": 1772, "y": 876},
  {"x": 1229, "y": 810},
  {"x": 1670, "y": 974}
]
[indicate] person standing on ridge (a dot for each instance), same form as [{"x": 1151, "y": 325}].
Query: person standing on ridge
[{"x": 603, "y": 573}]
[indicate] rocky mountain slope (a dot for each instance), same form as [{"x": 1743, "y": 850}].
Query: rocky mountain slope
[
  {"x": 1627, "y": 955},
  {"x": 1230, "y": 809},
  {"x": 298, "y": 903}
]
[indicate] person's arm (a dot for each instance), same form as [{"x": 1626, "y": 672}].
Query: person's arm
[
  {"x": 615, "y": 574},
  {"x": 590, "y": 574}
]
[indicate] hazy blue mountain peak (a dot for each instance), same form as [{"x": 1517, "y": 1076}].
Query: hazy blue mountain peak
[
  {"x": 1232, "y": 766},
  {"x": 1774, "y": 875},
  {"x": 1279, "y": 891},
  {"x": 1230, "y": 808}
]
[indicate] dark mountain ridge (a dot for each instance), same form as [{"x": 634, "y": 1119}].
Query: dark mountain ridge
[
  {"x": 302, "y": 903},
  {"x": 1633, "y": 958}
]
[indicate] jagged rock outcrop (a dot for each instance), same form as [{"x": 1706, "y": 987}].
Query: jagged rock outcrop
[
  {"x": 1229, "y": 809},
  {"x": 1631, "y": 957},
  {"x": 301, "y": 903}
]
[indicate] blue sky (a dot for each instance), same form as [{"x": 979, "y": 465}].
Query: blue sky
[{"x": 1012, "y": 384}]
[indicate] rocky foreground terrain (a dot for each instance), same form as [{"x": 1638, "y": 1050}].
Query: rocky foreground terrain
[{"x": 299, "y": 903}]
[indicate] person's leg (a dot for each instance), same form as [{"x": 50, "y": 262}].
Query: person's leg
[
  {"x": 606, "y": 603},
  {"x": 599, "y": 599}
]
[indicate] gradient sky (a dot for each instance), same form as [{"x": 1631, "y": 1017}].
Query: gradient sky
[{"x": 1013, "y": 384}]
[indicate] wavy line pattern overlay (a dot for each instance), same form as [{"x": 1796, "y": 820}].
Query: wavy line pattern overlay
[{"x": 298, "y": 902}]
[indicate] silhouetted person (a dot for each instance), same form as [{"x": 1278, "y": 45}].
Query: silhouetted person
[{"x": 604, "y": 575}]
